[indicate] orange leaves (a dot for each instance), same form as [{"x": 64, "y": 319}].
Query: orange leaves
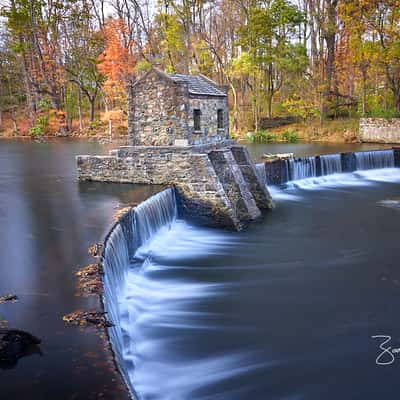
[{"x": 118, "y": 60}]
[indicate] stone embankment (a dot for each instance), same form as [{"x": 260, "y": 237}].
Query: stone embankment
[
  {"x": 380, "y": 130},
  {"x": 217, "y": 185}
]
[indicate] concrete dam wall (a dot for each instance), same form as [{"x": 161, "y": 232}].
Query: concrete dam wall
[{"x": 280, "y": 171}]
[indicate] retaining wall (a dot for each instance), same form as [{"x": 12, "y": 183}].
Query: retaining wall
[
  {"x": 380, "y": 130},
  {"x": 213, "y": 188}
]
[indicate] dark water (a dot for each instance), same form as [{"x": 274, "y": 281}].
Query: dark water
[
  {"x": 47, "y": 222},
  {"x": 284, "y": 310}
]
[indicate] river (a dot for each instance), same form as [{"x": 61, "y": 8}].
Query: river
[{"x": 284, "y": 310}]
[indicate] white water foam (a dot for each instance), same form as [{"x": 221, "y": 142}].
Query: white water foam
[
  {"x": 290, "y": 191},
  {"x": 156, "y": 311}
]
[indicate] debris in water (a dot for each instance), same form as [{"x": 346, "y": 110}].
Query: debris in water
[
  {"x": 282, "y": 156},
  {"x": 81, "y": 318},
  {"x": 120, "y": 213},
  {"x": 96, "y": 250},
  {"x": 8, "y": 298},
  {"x": 89, "y": 280}
]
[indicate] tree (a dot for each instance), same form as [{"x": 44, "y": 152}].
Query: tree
[{"x": 268, "y": 37}]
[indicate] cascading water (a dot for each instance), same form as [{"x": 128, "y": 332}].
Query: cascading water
[
  {"x": 374, "y": 159},
  {"x": 332, "y": 170},
  {"x": 302, "y": 168},
  {"x": 133, "y": 231},
  {"x": 331, "y": 164}
]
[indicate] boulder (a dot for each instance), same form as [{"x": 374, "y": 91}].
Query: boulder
[{"x": 15, "y": 344}]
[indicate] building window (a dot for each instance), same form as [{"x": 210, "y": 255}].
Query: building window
[
  {"x": 220, "y": 119},
  {"x": 196, "y": 120}
]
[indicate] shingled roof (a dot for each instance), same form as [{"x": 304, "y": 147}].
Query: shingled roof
[{"x": 198, "y": 84}]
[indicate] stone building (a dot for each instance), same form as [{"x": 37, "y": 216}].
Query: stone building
[
  {"x": 179, "y": 131},
  {"x": 173, "y": 109}
]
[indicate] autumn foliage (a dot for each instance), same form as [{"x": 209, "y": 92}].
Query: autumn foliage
[{"x": 117, "y": 61}]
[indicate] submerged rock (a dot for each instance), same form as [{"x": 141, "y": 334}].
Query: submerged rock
[
  {"x": 15, "y": 344},
  {"x": 390, "y": 203},
  {"x": 8, "y": 298}
]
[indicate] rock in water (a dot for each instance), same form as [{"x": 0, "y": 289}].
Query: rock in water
[
  {"x": 8, "y": 297},
  {"x": 15, "y": 344}
]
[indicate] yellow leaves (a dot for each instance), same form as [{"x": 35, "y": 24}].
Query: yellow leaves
[
  {"x": 119, "y": 214},
  {"x": 95, "y": 250},
  {"x": 82, "y": 318}
]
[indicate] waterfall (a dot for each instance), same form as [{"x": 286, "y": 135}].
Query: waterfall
[
  {"x": 374, "y": 159},
  {"x": 128, "y": 235},
  {"x": 331, "y": 164},
  {"x": 301, "y": 168},
  {"x": 260, "y": 169}
]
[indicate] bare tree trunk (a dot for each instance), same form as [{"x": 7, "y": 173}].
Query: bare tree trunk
[
  {"x": 92, "y": 101},
  {"x": 364, "y": 89},
  {"x": 330, "y": 39},
  {"x": 80, "y": 109}
]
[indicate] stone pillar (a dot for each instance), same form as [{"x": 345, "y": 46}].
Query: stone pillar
[
  {"x": 234, "y": 184},
  {"x": 348, "y": 162},
  {"x": 257, "y": 188},
  {"x": 396, "y": 156},
  {"x": 277, "y": 172}
]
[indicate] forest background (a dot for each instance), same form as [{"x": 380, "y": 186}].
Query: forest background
[{"x": 312, "y": 66}]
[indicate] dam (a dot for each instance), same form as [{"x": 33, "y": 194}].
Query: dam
[
  {"x": 170, "y": 286},
  {"x": 275, "y": 310}
]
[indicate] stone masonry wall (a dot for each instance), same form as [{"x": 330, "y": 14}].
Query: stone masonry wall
[
  {"x": 157, "y": 111},
  {"x": 380, "y": 130},
  {"x": 208, "y": 192},
  {"x": 208, "y": 107}
]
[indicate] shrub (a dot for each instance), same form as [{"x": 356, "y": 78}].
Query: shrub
[
  {"x": 290, "y": 136},
  {"x": 36, "y": 130},
  {"x": 261, "y": 137},
  {"x": 40, "y": 126},
  {"x": 95, "y": 124}
]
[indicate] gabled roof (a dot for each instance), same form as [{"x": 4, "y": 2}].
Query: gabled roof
[{"x": 198, "y": 84}]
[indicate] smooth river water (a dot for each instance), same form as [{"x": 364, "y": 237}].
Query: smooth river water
[{"x": 284, "y": 310}]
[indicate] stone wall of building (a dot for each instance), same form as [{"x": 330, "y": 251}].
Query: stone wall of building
[
  {"x": 208, "y": 107},
  {"x": 157, "y": 111},
  {"x": 380, "y": 130},
  {"x": 211, "y": 187}
]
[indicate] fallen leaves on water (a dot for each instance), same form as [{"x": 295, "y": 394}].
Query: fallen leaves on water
[
  {"x": 120, "y": 213},
  {"x": 81, "y": 318},
  {"x": 12, "y": 298},
  {"x": 90, "y": 270},
  {"x": 96, "y": 250},
  {"x": 89, "y": 280}
]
